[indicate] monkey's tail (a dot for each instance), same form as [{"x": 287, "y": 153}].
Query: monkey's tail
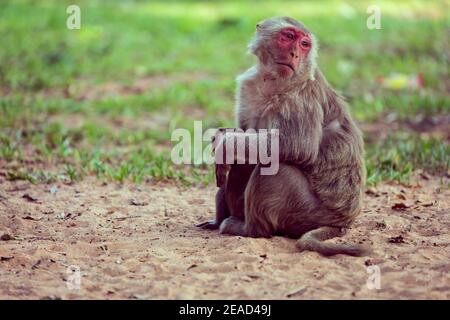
[{"x": 314, "y": 241}]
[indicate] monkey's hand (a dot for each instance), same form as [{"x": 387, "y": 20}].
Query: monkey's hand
[
  {"x": 234, "y": 147},
  {"x": 221, "y": 174},
  {"x": 221, "y": 167},
  {"x": 242, "y": 147}
]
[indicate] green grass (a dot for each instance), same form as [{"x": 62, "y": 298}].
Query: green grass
[
  {"x": 49, "y": 132},
  {"x": 397, "y": 157}
]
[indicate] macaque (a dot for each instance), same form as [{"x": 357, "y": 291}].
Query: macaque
[{"x": 316, "y": 193}]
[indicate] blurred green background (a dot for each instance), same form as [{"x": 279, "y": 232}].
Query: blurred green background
[{"x": 104, "y": 99}]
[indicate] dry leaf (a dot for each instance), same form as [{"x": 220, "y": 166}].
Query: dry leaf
[
  {"x": 136, "y": 202},
  {"x": 397, "y": 239},
  {"x": 6, "y": 237},
  {"x": 31, "y": 218},
  {"x": 31, "y": 198},
  {"x": 401, "y": 197},
  {"x": 6, "y": 258},
  {"x": 400, "y": 206},
  {"x": 297, "y": 292},
  {"x": 371, "y": 192}
]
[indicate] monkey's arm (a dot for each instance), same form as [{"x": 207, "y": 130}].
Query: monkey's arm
[
  {"x": 245, "y": 148},
  {"x": 297, "y": 141}
]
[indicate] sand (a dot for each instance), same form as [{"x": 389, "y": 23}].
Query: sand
[{"x": 140, "y": 242}]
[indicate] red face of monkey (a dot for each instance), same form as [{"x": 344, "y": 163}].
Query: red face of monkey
[{"x": 292, "y": 46}]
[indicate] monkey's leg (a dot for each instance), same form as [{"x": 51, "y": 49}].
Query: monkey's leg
[
  {"x": 237, "y": 227},
  {"x": 222, "y": 211},
  {"x": 237, "y": 181},
  {"x": 254, "y": 225},
  {"x": 230, "y": 197},
  {"x": 276, "y": 204},
  {"x": 313, "y": 241},
  {"x": 250, "y": 228}
]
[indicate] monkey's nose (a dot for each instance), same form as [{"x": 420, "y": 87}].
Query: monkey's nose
[{"x": 293, "y": 55}]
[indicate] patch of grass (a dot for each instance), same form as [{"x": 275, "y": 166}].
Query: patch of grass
[
  {"x": 404, "y": 106},
  {"x": 20, "y": 175},
  {"x": 8, "y": 151},
  {"x": 33, "y": 176},
  {"x": 48, "y": 131},
  {"x": 72, "y": 173},
  {"x": 397, "y": 156}
]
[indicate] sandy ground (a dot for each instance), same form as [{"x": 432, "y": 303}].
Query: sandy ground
[{"x": 139, "y": 242}]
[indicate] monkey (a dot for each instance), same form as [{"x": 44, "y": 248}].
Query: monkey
[{"x": 317, "y": 192}]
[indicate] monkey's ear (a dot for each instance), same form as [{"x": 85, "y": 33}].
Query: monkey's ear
[{"x": 260, "y": 25}]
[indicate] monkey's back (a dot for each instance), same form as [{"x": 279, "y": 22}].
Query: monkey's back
[{"x": 337, "y": 175}]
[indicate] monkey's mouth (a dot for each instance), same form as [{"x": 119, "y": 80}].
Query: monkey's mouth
[{"x": 287, "y": 65}]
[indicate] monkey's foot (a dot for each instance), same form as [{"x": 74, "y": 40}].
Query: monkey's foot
[
  {"x": 209, "y": 225},
  {"x": 234, "y": 226}
]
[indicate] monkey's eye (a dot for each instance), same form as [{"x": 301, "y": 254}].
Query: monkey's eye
[
  {"x": 305, "y": 43},
  {"x": 290, "y": 36}
]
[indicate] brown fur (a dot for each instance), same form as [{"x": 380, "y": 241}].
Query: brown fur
[{"x": 318, "y": 189}]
